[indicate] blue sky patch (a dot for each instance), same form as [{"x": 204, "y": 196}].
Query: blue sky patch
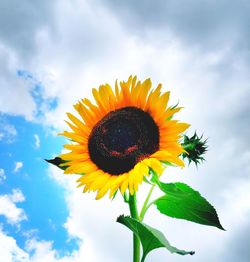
[{"x": 44, "y": 202}]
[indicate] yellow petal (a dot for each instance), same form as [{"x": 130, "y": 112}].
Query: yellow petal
[
  {"x": 92, "y": 107},
  {"x": 74, "y": 137},
  {"x": 99, "y": 100},
  {"x": 142, "y": 98},
  {"x": 88, "y": 178},
  {"x": 116, "y": 184},
  {"x": 131, "y": 182},
  {"x": 136, "y": 177},
  {"x": 124, "y": 185},
  {"x": 105, "y": 189},
  {"x": 76, "y": 147},
  {"x": 153, "y": 94},
  {"x": 154, "y": 164},
  {"x": 77, "y": 130},
  {"x": 99, "y": 182},
  {"x": 81, "y": 168},
  {"x": 74, "y": 156},
  {"x": 113, "y": 190},
  {"x": 143, "y": 171},
  {"x": 87, "y": 115},
  {"x": 85, "y": 189},
  {"x": 78, "y": 123},
  {"x": 164, "y": 155}
]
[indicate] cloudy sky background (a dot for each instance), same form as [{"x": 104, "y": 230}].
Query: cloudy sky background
[{"x": 53, "y": 52}]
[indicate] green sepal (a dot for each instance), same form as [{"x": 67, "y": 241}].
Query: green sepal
[
  {"x": 174, "y": 106},
  {"x": 150, "y": 237},
  {"x": 195, "y": 148},
  {"x": 166, "y": 163},
  {"x": 125, "y": 196},
  {"x": 57, "y": 161},
  {"x": 113, "y": 197},
  {"x": 146, "y": 180},
  {"x": 154, "y": 178},
  {"x": 183, "y": 202},
  {"x": 171, "y": 108}
]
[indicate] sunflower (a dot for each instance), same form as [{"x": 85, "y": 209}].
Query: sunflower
[{"x": 117, "y": 140}]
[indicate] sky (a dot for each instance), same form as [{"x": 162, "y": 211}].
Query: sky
[{"x": 52, "y": 53}]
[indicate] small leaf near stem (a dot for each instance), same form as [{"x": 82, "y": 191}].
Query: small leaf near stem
[{"x": 150, "y": 237}]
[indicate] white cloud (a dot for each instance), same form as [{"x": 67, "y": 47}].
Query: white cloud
[
  {"x": 8, "y": 208},
  {"x": 40, "y": 251},
  {"x": 16, "y": 50},
  {"x": 237, "y": 198},
  {"x": 9, "y": 249},
  {"x": 17, "y": 196},
  {"x": 37, "y": 141},
  {"x": 43, "y": 251},
  {"x": 8, "y": 132},
  {"x": 13, "y": 89},
  {"x": 2, "y": 175},
  {"x": 18, "y": 166}
]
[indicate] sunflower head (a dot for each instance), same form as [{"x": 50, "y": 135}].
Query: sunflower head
[
  {"x": 195, "y": 148},
  {"x": 122, "y": 135}
]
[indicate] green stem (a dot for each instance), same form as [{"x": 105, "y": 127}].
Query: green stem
[
  {"x": 134, "y": 214},
  {"x": 145, "y": 205},
  {"x": 143, "y": 258}
]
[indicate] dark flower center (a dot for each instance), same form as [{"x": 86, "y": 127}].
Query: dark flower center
[{"x": 123, "y": 138}]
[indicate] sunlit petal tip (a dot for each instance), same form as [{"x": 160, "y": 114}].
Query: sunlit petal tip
[
  {"x": 85, "y": 189},
  {"x": 182, "y": 165},
  {"x": 130, "y": 79},
  {"x": 79, "y": 185},
  {"x": 112, "y": 192},
  {"x": 101, "y": 193},
  {"x": 94, "y": 90}
]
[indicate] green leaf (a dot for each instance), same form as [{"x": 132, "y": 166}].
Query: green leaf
[
  {"x": 181, "y": 201},
  {"x": 57, "y": 161},
  {"x": 150, "y": 238}
]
